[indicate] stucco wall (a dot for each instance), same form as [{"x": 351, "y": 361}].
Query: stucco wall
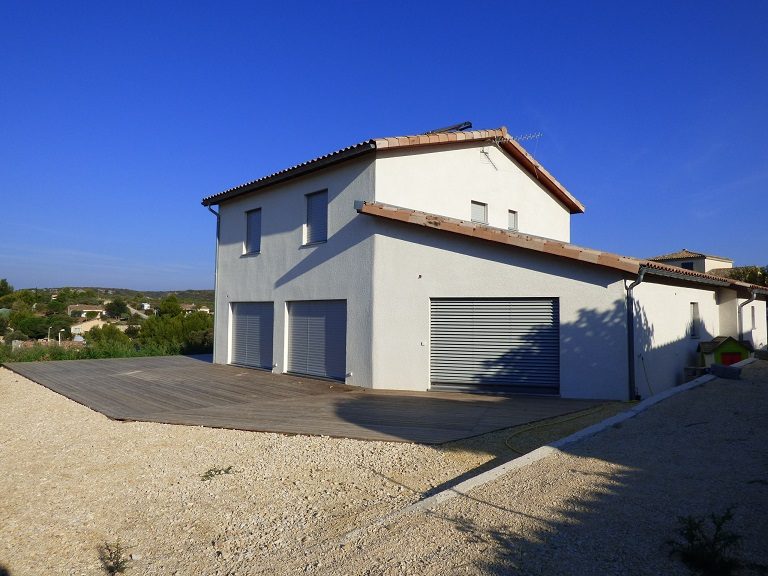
[
  {"x": 757, "y": 333},
  {"x": 412, "y": 265},
  {"x": 664, "y": 346},
  {"x": 446, "y": 180},
  {"x": 727, "y": 303},
  {"x": 284, "y": 270}
]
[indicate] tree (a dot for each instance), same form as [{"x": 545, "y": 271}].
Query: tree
[
  {"x": 117, "y": 308},
  {"x": 5, "y": 287},
  {"x": 56, "y": 307},
  {"x": 751, "y": 274},
  {"x": 169, "y": 306}
]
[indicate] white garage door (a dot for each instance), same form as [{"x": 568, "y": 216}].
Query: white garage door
[
  {"x": 317, "y": 338},
  {"x": 252, "y": 324},
  {"x": 508, "y": 344}
]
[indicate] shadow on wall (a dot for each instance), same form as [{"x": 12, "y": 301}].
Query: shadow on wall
[
  {"x": 595, "y": 343},
  {"x": 612, "y": 504},
  {"x": 596, "y": 340},
  {"x": 662, "y": 366}
]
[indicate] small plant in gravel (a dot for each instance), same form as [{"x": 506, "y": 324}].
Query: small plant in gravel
[
  {"x": 211, "y": 473},
  {"x": 707, "y": 551},
  {"x": 113, "y": 557}
]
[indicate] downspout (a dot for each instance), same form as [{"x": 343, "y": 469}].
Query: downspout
[
  {"x": 216, "y": 274},
  {"x": 631, "y": 334},
  {"x": 752, "y": 298}
]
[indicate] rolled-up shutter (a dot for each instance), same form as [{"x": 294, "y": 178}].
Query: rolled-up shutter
[
  {"x": 510, "y": 343},
  {"x": 252, "y": 325},
  {"x": 317, "y": 338}
]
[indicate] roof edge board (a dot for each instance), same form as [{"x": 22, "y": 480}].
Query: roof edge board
[
  {"x": 291, "y": 173},
  {"x": 686, "y": 277},
  {"x": 533, "y": 167}
]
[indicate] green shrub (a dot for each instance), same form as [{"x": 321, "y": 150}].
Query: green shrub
[{"x": 707, "y": 551}]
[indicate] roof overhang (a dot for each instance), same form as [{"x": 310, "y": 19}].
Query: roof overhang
[
  {"x": 623, "y": 264},
  {"x": 498, "y": 137}
]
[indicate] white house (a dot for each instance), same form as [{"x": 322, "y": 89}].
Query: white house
[
  {"x": 442, "y": 261},
  {"x": 695, "y": 261}
]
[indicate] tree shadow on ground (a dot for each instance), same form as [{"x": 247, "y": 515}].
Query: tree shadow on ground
[{"x": 610, "y": 505}]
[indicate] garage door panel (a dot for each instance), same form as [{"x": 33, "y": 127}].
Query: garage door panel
[
  {"x": 506, "y": 343},
  {"x": 317, "y": 338},
  {"x": 252, "y": 328}
]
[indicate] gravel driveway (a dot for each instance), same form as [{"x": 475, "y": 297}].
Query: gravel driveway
[{"x": 72, "y": 479}]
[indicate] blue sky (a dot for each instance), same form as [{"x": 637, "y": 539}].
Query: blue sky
[{"x": 116, "y": 118}]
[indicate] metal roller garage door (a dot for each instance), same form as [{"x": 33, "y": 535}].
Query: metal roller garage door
[
  {"x": 510, "y": 344},
  {"x": 252, "y": 324},
  {"x": 317, "y": 338}
]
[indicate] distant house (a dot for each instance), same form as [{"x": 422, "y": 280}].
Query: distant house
[
  {"x": 188, "y": 308},
  {"x": 83, "y": 327},
  {"x": 82, "y": 310},
  {"x": 204, "y": 309},
  {"x": 144, "y": 306},
  {"x": 442, "y": 261},
  {"x": 696, "y": 261}
]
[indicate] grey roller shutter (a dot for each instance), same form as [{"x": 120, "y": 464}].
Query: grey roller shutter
[
  {"x": 317, "y": 338},
  {"x": 317, "y": 217},
  {"x": 509, "y": 343},
  {"x": 252, "y": 324}
]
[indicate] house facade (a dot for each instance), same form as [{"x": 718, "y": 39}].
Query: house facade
[
  {"x": 697, "y": 261},
  {"x": 442, "y": 261}
]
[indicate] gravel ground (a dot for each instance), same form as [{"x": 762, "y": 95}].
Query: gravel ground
[{"x": 72, "y": 479}]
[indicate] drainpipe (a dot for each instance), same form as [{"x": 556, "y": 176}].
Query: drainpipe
[
  {"x": 752, "y": 298},
  {"x": 216, "y": 273},
  {"x": 631, "y": 334}
]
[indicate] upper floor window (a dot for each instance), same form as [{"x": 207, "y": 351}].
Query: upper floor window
[
  {"x": 695, "y": 320},
  {"x": 512, "y": 222},
  {"x": 479, "y": 212},
  {"x": 316, "y": 227},
  {"x": 687, "y": 265},
  {"x": 253, "y": 231}
]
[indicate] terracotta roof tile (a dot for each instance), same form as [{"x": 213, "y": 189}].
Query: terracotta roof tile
[
  {"x": 685, "y": 254},
  {"x": 545, "y": 245},
  {"x": 499, "y": 136}
]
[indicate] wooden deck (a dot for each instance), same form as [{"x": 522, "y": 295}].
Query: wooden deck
[{"x": 192, "y": 391}]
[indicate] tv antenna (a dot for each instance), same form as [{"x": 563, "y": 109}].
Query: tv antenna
[{"x": 526, "y": 137}]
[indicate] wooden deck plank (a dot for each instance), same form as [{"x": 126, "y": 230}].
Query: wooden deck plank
[{"x": 189, "y": 391}]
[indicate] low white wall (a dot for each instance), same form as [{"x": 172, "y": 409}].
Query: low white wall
[
  {"x": 446, "y": 180},
  {"x": 285, "y": 270},
  {"x": 412, "y": 265}
]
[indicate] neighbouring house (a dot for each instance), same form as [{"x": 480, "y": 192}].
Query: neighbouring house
[
  {"x": 144, "y": 306},
  {"x": 723, "y": 350},
  {"x": 188, "y": 308},
  {"x": 204, "y": 309},
  {"x": 82, "y": 310},
  {"x": 696, "y": 261},
  {"x": 83, "y": 327},
  {"x": 442, "y": 261}
]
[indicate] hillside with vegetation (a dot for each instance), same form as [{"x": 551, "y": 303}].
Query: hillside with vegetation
[{"x": 70, "y": 323}]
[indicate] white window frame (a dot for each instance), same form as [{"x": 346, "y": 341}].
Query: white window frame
[
  {"x": 316, "y": 221},
  {"x": 252, "y": 241},
  {"x": 475, "y": 215},
  {"x": 512, "y": 220}
]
